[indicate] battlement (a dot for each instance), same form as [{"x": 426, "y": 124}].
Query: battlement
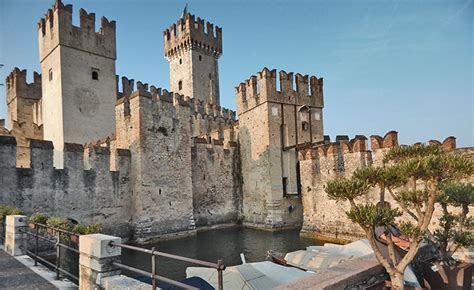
[
  {"x": 190, "y": 33},
  {"x": 358, "y": 144},
  {"x": 18, "y": 87},
  {"x": 294, "y": 89},
  {"x": 56, "y": 28},
  {"x": 76, "y": 156},
  {"x": 198, "y": 107},
  {"x": 225, "y": 136}
]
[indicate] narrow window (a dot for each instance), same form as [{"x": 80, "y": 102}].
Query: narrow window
[
  {"x": 304, "y": 126},
  {"x": 285, "y": 184},
  {"x": 95, "y": 75},
  {"x": 200, "y": 58},
  {"x": 180, "y": 61},
  {"x": 50, "y": 74},
  {"x": 210, "y": 76},
  {"x": 180, "y": 85}
]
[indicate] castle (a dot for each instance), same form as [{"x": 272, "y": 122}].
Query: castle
[{"x": 146, "y": 162}]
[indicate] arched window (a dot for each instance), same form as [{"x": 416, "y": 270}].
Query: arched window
[
  {"x": 180, "y": 61},
  {"x": 95, "y": 75},
  {"x": 50, "y": 74},
  {"x": 180, "y": 85}
]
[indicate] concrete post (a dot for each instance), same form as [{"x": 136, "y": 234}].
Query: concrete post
[
  {"x": 15, "y": 240},
  {"x": 95, "y": 256}
]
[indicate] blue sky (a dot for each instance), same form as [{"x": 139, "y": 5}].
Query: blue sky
[{"x": 402, "y": 65}]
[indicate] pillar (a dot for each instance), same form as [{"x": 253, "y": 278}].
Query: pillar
[
  {"x": 95, "y": 256},
  {"x": 15, "y": 239}
]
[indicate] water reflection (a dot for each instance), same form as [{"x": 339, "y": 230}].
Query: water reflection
[{"x": 226, "y": 244}]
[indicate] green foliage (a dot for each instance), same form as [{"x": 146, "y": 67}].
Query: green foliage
[
  {"x": 61, "y": 223},
  {"x": 401, "y": 152},
  {"x": 38, "y": 218},
  {"x": 346, "y": 189},
  {"x": 410, "y": 230},
  {"x": 8, "y": 210},
  {"x": 80, "y": 229},
  {"x": 93, "y": 229},
  {"x": 457, "y": 194},
  {"x": 455, "y": 227},
  {"x": 370, "y": 215},
  {"x": 412, "y": 198},
  {"x": 87, "y": 229},
  {"x": 382, "y": 176}
]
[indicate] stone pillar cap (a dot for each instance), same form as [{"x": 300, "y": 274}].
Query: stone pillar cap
[
  {"x": 16, "y": 220},
  {"x": 98, "y": 246}
]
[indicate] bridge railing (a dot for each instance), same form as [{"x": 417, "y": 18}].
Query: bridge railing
[
  {"x": 59, "y": 239},
  {"x": 219, "y": 266}
]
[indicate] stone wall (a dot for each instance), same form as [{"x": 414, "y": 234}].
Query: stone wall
[
  {"x": 96, "y": 195},
  {"x": 24, "y": 112},
  {"x": 272, "y": 123},
  {"x": 156, "y": 126},
  {"x": 325, "y": 218},
  {"x": 216, "y": 183}
]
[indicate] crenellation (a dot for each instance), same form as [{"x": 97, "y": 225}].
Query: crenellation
[
  {"x": 189, "y": 33},
  {"x": 293, "y": 90},
  {"x": 17, "y": 85},
  {"x": 73, "y": 157},
  {"x": 57, "y": 28},
  {"x": 99, "y": 159},
  {"x": 41, "y": 156},
  {"x": 87, "y": 20},
  {"x": 286, "y": 86},
  {"x": 449, "y": 143}
]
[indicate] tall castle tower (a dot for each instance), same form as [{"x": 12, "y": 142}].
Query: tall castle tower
[
  {"x": 273, "y": 123},
  {"x": 192, "y": 51},
  {"x": 78, "y": 77}
]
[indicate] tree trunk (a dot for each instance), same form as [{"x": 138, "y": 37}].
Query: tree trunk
[{"x": 397, "y": 281}]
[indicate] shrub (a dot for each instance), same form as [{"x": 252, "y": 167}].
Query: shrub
[
  {"x": 80, "y": 229},
  {"x": 8, "y": 210},
  {"x": 39, "y": 218},
  {"x": 93, "y": 229},
  {"x": 61, "y": 223}
]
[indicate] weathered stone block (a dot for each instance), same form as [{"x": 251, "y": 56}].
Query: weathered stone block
[{"x": 98, "y": 246}]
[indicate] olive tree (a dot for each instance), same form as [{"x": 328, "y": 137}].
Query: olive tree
[
  {"x": 455, "y": 226},
  {"x": 413, "y": 176}
]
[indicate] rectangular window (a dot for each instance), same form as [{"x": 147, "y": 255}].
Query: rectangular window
[
  {"x": 50, "y": 74},
  {"x": 95, "y": 74},
  {"x": 285, "y": 185}
]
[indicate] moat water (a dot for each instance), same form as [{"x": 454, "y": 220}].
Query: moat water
[{"x": 225, "y": 244}]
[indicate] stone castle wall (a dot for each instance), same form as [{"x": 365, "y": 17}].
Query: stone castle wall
[
  {"x": 325, "y": 218},
  {"x": 216, "y": 182},
  {"x": 95, "y": 195},
  {"x": 158, "y": 127},
  {"x": 272, "y": 123}
]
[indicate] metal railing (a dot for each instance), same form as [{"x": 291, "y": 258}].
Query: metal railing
[
  {"x": 219, "y": 266},
  {"x": 3, "y": 227},
  {"x": 54, "y": 235}
]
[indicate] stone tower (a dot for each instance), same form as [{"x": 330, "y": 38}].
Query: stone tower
[
  {"x": 24, "y": 112},
  {"x": 192, "y": 51},
  {"x": 78, "y": 77},
  {"x": 272, "y": 125}
]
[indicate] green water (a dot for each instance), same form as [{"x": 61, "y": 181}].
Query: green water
[{"x": 225, "y": 244}]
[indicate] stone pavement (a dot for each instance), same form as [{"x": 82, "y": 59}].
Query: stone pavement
[{"x": 15, "y": 275}]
